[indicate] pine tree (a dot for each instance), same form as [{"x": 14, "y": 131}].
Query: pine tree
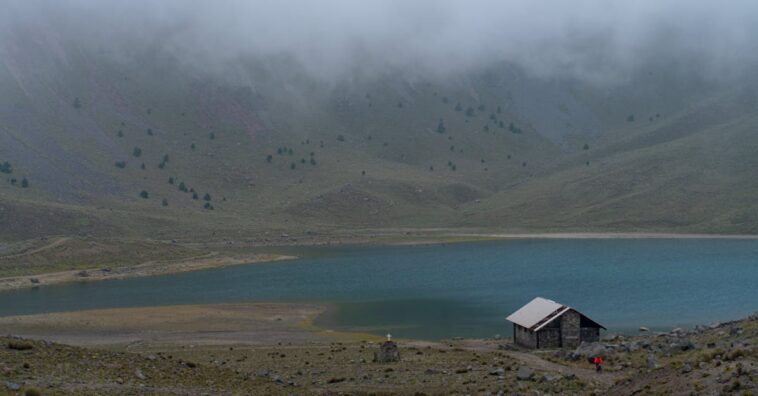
[{"x": 441, "y": 126}]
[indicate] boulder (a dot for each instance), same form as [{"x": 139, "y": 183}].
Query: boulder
[
  {"x": 591, "y": 350},
  {"x": 643, "y": 328},
  {"x": 524, "y": 373}
]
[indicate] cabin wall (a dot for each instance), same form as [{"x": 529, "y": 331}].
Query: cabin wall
[
  {"x": 570, "y": 333},
  {"x": 522, "y": 336},
  {"x": 549, "y": 337},
  {"x": 590, "y": 334}
]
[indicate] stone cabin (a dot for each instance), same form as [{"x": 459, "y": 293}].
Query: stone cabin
[{"x": 544, "y": 323}]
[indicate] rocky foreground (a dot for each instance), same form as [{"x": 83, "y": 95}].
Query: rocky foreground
[{"x": 717, "y": 359}]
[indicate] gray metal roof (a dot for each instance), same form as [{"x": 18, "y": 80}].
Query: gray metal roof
[
  {"x": 533, "y": 312},
  {"x": 539, "y": 312}
]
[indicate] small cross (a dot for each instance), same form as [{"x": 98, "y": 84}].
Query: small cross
[{"x": 389, "y": 337}]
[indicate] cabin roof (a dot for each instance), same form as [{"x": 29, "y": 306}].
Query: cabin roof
[{"x": 539, "y": 312}]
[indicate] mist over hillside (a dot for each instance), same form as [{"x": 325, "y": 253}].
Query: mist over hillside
[{"x": 174, "y": 118}]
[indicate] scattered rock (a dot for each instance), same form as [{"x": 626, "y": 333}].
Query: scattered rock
[
  {"x": 652, "y": 361},
  {"x": 12, "y": 386},
  {"x": 139, "y": 374},
  {"x": 497, "y": 371},
  {"x": 524, "y": 373},
  {"x": 335, "y": 380},
  {"x": 83, "y": 274},
  {"x": 686, "y": 368}
]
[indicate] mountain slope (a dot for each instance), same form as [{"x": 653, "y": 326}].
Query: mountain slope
[{"x": 146, "y": 145}]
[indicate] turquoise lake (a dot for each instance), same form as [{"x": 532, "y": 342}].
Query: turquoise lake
[{"x": 465, "y": 290}]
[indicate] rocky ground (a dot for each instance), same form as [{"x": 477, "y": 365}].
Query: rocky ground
[{"x": 276, "y": 353}]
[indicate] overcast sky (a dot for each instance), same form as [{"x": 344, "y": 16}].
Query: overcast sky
[{"x": 602, "y": 40}]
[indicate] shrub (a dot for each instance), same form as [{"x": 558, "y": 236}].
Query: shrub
[
  {"x": 170, "y": 180},
  {"x": 182, "y": 187},
  {"x": 441, "y": 126},
  {"x": 144, "y": 194},
  {"x": 32, "y": 392},
  {"x": 195, "y": 196},
  {"x": 120, "y": 133},
  {"x": 164, "y": 202},
  {"x": 207, "y": 197},
  {"x": 137, "y": 152},
  {"x": 586, "y": 146},
  {"x": 6, "y": 168},
  {"x": 340, "y": 138},
  {"x": 269, "y": 158},
  {"x": 212, "y": 136},
  {"x": 121, "y": 164},
  {"x": 24, "y": 183},
  {"x": 77, "y": 103},
  {"x": 208, "y": 206}
]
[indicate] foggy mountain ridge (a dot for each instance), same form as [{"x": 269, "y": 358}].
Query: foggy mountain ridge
[{"x": 606, "y": 116}]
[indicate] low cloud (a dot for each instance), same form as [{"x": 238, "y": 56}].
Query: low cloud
[{"x": 600, "y": 41}]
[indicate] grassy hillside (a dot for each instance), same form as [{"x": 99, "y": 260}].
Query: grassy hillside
[{"x": 144, "y": 145}]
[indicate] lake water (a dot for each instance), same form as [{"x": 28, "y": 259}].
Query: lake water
[{"x": 462, "y": 290}]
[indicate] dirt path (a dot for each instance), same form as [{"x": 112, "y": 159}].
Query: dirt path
[
  {"x": 538, "y": 363},
  {"x": 57, "y": 242}
]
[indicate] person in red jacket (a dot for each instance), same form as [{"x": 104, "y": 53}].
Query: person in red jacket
[{"x": 598, "y": 362}]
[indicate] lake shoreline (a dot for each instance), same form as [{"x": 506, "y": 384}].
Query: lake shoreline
[
  {"x": 217, "y": 259},
  {"x": 151, "y": 268}
]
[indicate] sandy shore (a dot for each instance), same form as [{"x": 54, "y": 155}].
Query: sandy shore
[
  {"x": 611, "y": 235},
  {"x": 207, "y": 324},
  {"x": 151, "y": 268}
]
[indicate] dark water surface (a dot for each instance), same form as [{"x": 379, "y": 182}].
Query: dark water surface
[{"x": 461, "y": 289}]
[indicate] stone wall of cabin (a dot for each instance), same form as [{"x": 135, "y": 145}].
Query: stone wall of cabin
[
  {"x": 522, "y": 336},
  {"x": 549, "y": 337},
  {"x": 570, "y": 333},
  {"x": 590, "y": 334}
]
